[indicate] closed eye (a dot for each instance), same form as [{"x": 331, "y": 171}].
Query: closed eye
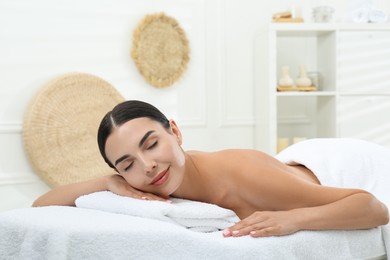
[
  {"x": 128, "y": 167},
  {"x": 153, "y": 145}
]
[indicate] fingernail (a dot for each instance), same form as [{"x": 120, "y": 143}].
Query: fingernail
[
  {"x": 235, "y": 232},
  {"x": 144, "y": 198},
  {"x": 226, "y": 232},
  {"x": 169, "y": 201},
  {"x": 253, "y": 232}
]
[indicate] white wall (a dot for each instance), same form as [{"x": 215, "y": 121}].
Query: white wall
[{"x": 213, "y": 102}]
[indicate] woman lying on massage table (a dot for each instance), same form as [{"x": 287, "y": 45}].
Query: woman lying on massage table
[{"x": 270, "y": 198}]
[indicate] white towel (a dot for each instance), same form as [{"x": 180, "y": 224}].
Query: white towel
[
  {"x": 197, "y": 216},
  {"x": 346, "y": 163},
  {"x": 364, "y": 11}
]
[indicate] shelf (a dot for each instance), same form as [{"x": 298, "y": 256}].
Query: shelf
[
  {"x": 363, "y": 94},
  {"x": 321, "y": 27},
  {"x": 326, "y": 93},
  {"x": 315, "y": 27},
  {"x": 305, "y": 93},
  {"x": 353, "y": 82}
]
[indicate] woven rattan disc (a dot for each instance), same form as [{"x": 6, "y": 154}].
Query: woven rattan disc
[
  {"x": 160, "y": 49},
  {"x": 60, "y": 128}
]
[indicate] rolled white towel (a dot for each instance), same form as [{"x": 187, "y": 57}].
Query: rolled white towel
[
  {"x": 359, "y": 15},
  {"x": 377, "y": 16},
  {"x": 194, "y": 215}
]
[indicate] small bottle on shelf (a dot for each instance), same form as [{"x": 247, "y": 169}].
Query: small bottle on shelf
[
  {"x": 286, "y": 80},
  {"x": 303, "y": 80}
]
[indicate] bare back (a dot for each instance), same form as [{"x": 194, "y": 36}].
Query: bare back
[{"x": 248, "y": 180}]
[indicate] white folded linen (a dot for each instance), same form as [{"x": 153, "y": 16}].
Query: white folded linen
[
  {"x": 194, "y": 215},
  {"x": 345, "y": 163},
  {"x": 367, "y": 15},
  {"x": 364, "y": 11}
]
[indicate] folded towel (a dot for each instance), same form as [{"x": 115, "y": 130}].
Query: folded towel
[
  {"x": 345, "y": 163},
  {"x": 194, "y": 215}
]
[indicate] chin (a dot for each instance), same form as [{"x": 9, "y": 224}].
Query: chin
[
  {"x": 163, "y": 192},
  {"x": 168, "y": 192}
]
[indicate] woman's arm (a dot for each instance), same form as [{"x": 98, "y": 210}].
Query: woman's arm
[
  {"x": 66, "y": 195},
  {"x": 361, "y": 210}
]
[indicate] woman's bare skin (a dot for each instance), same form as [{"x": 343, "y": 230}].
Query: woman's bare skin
[{"x": 270, "y": 198}]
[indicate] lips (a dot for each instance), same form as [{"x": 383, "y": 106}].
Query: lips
[{"x": 161, "y": 178}]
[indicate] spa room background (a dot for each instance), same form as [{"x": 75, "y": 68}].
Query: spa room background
[{"x": 213, "y": 102}]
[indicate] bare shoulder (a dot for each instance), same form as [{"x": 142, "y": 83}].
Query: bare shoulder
[
  {"x": 237, "y": 162},
  {"x": 236, "y": 154}
]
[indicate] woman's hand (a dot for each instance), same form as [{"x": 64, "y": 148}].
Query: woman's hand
[
  {"x": 264, "y": 224},
  {"x": 118, "y": 185}
]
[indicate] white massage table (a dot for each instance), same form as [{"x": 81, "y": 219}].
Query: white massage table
[{"x": 76, "y": 233}]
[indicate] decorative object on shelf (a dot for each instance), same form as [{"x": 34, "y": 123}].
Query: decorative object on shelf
[
  {"x": 323, "y": 14},
  {"x": 294, "y": 88},
  {"x": 364, "y": 11},
  {"x": 60, "y": 128},
  {"x": 303, "y": 80},
  {"x": 286, "y": 80},
  {"x": 315, "y": 78},
  {"x": 286, "y": 17},
  {"x": 160, "y": 49}
]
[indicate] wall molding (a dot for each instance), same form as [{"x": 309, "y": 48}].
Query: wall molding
[
  {"x": 193, "y": 123},
  {"x": 11, "y": 127},
  {"x": 234, "y": 122},
  {"x": 197, "y": 90},
  {"x": 226, "y": 120},
  {"x": 23, "y": 178}
]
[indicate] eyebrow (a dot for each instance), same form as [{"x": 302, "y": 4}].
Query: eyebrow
[
  {"x": 143, "y": 139},
  {"x": 121, "y": 159}
]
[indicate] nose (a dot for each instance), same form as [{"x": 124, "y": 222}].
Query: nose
[{"x": 149, "y": 164}]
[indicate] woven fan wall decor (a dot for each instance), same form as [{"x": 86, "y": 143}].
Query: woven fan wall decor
[
  {"x": 60, "y": 128},
  {"x": 160, "y": 49}
]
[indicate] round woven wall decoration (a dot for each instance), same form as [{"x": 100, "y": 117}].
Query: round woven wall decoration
[
  {"x": 160, "y": 50},
  {"x": 60, "y": 128}
]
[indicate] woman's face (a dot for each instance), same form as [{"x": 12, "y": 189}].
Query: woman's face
[{"x": 147, "y": 155}]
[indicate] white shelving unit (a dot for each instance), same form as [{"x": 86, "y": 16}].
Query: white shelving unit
[{"x": 354, "y": 95}]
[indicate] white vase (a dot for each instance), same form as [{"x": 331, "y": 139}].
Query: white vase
[
  {"x": 303, "y": 80},
  {"x": 286, "y": 80}
]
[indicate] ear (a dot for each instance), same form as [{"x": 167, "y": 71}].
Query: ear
[{"x": 176, "y": 131}]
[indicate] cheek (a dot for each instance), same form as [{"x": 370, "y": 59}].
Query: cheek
[
  {"x": 170, "y": 151},
  {"x": 132, "y": 180},
  {"x": 135, "y": 179},
  {"x": 178, "y": 156}
]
